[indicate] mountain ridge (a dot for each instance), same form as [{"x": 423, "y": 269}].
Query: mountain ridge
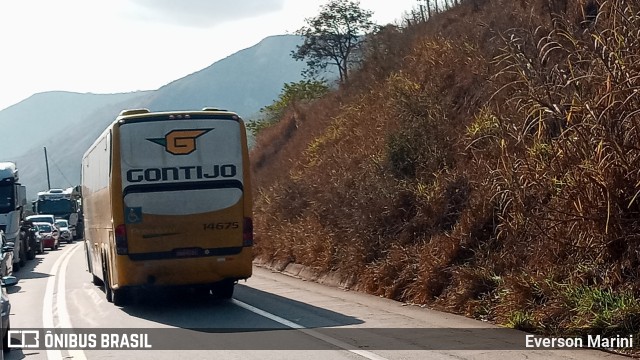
[{"x": 242, "y": 82}]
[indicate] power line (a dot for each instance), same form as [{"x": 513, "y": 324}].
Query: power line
[{"x": 61, "y": 173}]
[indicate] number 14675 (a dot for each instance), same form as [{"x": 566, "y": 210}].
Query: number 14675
[{"x": 221, "y": 225}]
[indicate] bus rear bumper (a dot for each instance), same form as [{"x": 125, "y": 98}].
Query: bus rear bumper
[{"x": 185, "y": 271}]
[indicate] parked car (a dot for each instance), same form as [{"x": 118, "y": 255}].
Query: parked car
[
  {"x": 5, "y": 309},
  {"x": 6, "y": 257},
  {"x": 65, "y": 231},
  {"x": 50, "y": 236}
]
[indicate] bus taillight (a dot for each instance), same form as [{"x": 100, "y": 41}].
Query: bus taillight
[
  {"x": 247, "y": 232},
  {"x": 122, "y": 248}
]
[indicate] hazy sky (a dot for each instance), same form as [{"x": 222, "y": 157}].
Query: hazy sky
[{"x": 126, "y": 45}]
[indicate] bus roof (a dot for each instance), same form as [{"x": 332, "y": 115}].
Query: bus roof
[{"x": 139, "y": 115}]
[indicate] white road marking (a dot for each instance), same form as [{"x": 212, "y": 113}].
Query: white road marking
[
  {"x": 315, "y": 334},
  {"x": 58, "y": 271},
  {"x": 47, "y": 306},
  {"x": 64, "y": 320}
]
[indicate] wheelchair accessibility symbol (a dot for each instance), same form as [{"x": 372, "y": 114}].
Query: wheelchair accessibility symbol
[{"x": 133, "y": 215}]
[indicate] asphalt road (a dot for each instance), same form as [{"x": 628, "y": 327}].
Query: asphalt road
[{"x": 272, "y": 316}]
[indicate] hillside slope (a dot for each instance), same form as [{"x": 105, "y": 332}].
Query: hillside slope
[{"x": 484, "y": 162}]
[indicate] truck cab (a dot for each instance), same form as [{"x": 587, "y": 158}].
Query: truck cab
[
  {"x": 13, "y": 198},
  {"x": 62, "y": 204}
]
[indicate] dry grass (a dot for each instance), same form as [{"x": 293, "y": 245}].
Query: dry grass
[{"x": 490, "y": 169}]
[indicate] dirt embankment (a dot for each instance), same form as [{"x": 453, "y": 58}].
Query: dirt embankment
[{"x": 485, "y": 162}]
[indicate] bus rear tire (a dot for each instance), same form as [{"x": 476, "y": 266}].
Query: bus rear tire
[
  {"x": 106, "y": 282},
  {"x": 96, "y": 280},
  {"x": 108, "y": 292},
  {"x": 121, "y": 296},
  {"x": 224, "y": 289}
]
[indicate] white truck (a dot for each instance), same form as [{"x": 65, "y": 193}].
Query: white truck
[
  {"x": 61, "y": 203},
  {"x": 13, "y": 198}
]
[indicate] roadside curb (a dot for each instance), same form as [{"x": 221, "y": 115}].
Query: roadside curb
[{"x": 334, "y": 278}]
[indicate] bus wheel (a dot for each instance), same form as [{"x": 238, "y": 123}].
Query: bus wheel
[
  {"x": 201, "y": 291},
  {"x": 108, "y": 292},
  {"x": 96, "y": 280},
  {"x": 107, "y": 284},
  {"x": 121, "y": 296},
  {"x": 224, "y": 289}
]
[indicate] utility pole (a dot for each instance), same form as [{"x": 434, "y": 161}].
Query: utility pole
[{"x": 46, "y": 162}]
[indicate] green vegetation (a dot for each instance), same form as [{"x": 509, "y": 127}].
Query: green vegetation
[
  {"x": 334, "y": 37},
  {"x": 292, "y": 93},
  {"x": 490, "y": 167}
]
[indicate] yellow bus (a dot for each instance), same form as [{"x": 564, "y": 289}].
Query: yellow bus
[{"x": 167, "y": 202}]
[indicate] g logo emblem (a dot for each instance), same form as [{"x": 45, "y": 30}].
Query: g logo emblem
[{"x": 180, "y": 142}]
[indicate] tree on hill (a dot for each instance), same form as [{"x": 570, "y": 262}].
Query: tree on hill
[{"x": 334, "y": 37}]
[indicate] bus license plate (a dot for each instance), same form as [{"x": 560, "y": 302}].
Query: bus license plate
[{"x": 187, "y": 252}]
